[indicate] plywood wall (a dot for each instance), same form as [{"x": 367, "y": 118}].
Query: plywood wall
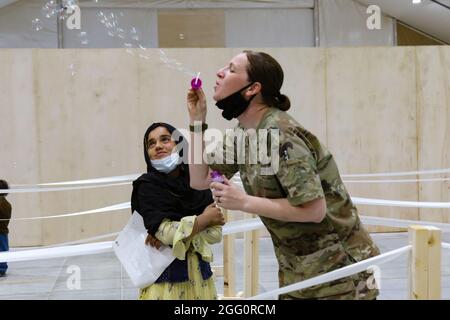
[{"x": 79, "y": 114}]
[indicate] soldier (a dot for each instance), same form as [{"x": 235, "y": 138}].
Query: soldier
[{"x": 314, "y": 226}]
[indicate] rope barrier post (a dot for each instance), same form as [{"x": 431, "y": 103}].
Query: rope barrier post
[
  {"x": 251, "y": 261},
  {"x": 228, "y": 261},
  {"x": 425, "y": 263}
]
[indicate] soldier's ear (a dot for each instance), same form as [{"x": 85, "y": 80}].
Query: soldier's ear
[{"x": 255, "y": 88}]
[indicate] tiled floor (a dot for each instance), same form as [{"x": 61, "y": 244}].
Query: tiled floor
[{"x": 103, "y": 278}]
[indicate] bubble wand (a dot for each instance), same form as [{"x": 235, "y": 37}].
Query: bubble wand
[{"x": 196, "y": 83}]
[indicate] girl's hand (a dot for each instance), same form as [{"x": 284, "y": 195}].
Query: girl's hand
[
  {"x": 213, "y": 215},
  {"x": 152, "y": 241}
]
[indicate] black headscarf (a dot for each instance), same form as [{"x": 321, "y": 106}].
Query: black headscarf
[{"x": 157, "y": 196}]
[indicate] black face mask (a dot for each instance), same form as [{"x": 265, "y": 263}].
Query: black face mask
[{"x": 234, "y": 105}]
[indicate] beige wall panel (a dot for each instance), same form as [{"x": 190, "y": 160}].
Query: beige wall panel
[
  {"x": 86, "y": 106},
  {"x": 19, "y": 142},
  {"x": 191, "y": 28},
  {"x": 371, "y": 109},
  {"x": 304, "y": 83},
  {"x": 433, "y": 92}
]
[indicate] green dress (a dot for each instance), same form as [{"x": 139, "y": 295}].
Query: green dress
[
  {"x": 304, "y": 170},
  {"x": 178, "y": 235}
]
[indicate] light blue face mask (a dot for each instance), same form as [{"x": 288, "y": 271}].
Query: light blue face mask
[{"x": 167, "y": 164}]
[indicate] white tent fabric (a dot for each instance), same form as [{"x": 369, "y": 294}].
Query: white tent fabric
[
  {"x": 16, "y": 26},
  {"x": 263, "y": 23},
  {"x": 269, "y": 28},
  {"x": 344, "y": 23}
]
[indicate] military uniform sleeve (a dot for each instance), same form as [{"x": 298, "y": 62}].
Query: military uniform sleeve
[
  {"x": 297, "y": 172},
  {"x": 223, "y": 158}
]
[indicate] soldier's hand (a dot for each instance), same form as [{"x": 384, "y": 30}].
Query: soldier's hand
[
  {"x": 227, "y": 195},
  {"x": 196, "y": 103},
  {"x": 152, "y": 241}
]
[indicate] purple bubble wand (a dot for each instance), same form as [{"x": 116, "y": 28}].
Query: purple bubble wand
[{"x": 196, "y": 83}]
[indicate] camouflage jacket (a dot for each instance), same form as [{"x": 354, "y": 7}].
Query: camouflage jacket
[{"x": 305, "y": 171}]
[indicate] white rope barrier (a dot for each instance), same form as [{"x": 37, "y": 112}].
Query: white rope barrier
[
  {"x": 242, "y": 226},
  {"x": 80, "y": 241},
  {"x": 58, "y": 252},
  {"x": 401, "y": 223},
  {"x": 256, "y": 223},
  {"x": 336, "y": 274},
  {"x": 398, "y": 180},
  {"x": 445, "y": 245},
  {"x": 229, "y": 228},
  {"x": 53, "y": 189},
  {"x": 396, "y": 174},
  {"x": 356, "y": 200},
  {"x": 404, "y": 204},
  {"x": 106, "y": 180},
  {"x": 93, "y": 248},
  {"x": 131, "y": 177},
  {"x": 116, "y": 207}
]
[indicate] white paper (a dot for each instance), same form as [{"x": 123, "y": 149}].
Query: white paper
[{"x": 143, "y": 263}]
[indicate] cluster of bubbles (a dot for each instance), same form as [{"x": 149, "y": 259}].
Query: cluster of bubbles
[
  {"x": 52, "y": 9},
  {"x": 130, "y": 37},
  {"x": 110, "y": 21}
]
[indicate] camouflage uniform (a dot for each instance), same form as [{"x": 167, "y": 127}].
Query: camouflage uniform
[{"x": 307, "y": 171}]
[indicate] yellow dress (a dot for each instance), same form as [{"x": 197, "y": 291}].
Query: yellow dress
[{"x": 177, "y": 234}]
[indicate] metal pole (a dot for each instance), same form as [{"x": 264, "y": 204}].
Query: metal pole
[
  {"x": 316, "y": 24},
  {"x": 59, "y": 25}
]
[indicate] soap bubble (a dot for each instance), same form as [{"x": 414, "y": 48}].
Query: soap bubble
[
  {"x": 72, "y": 69},
  {"x": 144, "y": 56},
  {"x": 83, "y": 38},
  {"x": 134, "y": 34},
  {"x": 101, "y": 17},
  {"x": 49, "y": 9},
  {"x": 64, "y": 12},
  {"x": 120, "y": 33},
  {"x": 37, "y": 24}
]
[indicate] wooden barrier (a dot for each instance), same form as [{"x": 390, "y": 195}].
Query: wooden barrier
[
  {"x": 229, "y": 289},
  {"x": 251, "y": 261},
  {"x": 425, "y": 263}
]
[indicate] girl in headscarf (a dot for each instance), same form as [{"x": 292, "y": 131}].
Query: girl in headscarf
[{"x": 178, "y": 216}]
